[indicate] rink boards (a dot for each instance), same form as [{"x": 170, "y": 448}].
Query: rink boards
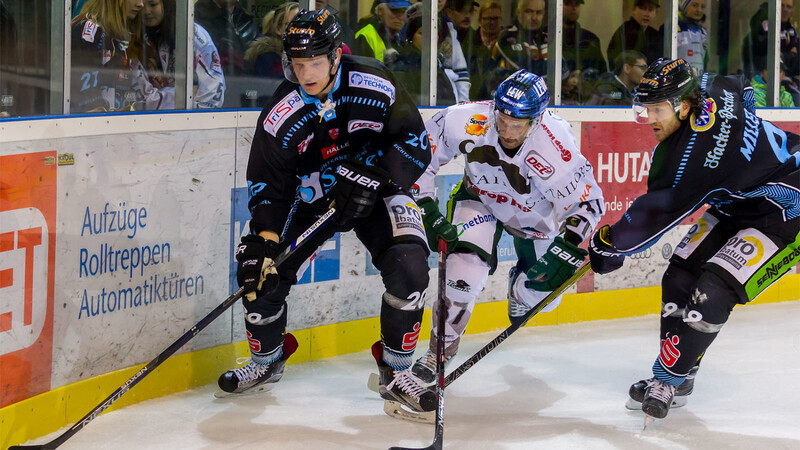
[{"x": 117, "y": 232}]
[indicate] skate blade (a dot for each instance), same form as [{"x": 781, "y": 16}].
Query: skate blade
[
  {"x": 633, "y": 405},
  {"x": 258, "y": 389},
  {"x": 648, "y": 419},
  {"x": 374, "y": 383},
  {"x": 399, "y": 411}
]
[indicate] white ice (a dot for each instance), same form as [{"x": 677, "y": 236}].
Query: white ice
[{"x": 546, "y": 387}]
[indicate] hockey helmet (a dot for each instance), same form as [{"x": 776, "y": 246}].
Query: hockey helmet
[
  {"x": 664, "y": 84},
  {"x": 308, "y": 35},
  {"x": 522, "y": 95}
]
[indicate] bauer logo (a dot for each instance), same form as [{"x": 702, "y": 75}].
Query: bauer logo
[
  {"x": 27, "y": 259},
  {"x": 280, "y": 112},
  {"x": 373, "y": 83}
]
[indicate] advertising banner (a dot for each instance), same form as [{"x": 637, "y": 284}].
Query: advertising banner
[{"x": 27, "y": 258}]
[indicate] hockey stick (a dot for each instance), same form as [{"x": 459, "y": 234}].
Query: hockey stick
[
  {"x": 510, "y": 330},
  {"x": 151, "y": 366},
  {"x": 438, "y": 435}
]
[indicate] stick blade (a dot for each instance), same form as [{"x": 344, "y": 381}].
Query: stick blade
[
  {"x": 433, "y": 446},
  {"x": 22, "y": 447}
]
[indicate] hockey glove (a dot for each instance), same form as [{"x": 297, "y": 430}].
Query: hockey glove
[
  {"x": 255, "y": 271},
  {"x": 356, "y": 190},
  {"x": 602, "y": 255},
  {"x": 435, "y": 223},
  {"x": 556, "y": 266}
]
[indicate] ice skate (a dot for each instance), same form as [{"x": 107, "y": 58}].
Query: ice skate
[
  {"x": 682, "y": 392},
  {"x": 404, "y": 394},
  {"x": 253, "y": 377},
  {"x": 425, "y": 368},
  {"x": 657, "y": 400}
]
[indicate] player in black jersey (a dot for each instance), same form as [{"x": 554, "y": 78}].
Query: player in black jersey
[
  {"x": 338, "y": 129},
  {"x": 712, "y": 150}
]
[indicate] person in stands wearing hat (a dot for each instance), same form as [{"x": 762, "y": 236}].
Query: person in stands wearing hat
[
  {"x": 637, "y": 33},
  {"x": 379, "y": 34}
]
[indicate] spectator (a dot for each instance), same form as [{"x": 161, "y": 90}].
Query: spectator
[
  {"x": 9, "y": 59},
  {"x": 209, "y": 82},
  {"x": 754, "y": 47},
  {"x": 478, "y": 46},
  {"x": 231, "y": 28},
  {"x": 760, "y": 89},
  {"x": 264, "y": 53},
  {"x": 380, "y": 32},
  {"x": 692, "y": 35},
  {"x": 103, "y": 46},
  {"x": 524, "y": 45},
  {"x": 637, "y": 34},
  {"x": 616, "y": 89},
  {"x": 450, "y": 52},
  {"x": 407, "y": 66},
  {"x": 459, "y": 12},
  {"x": 583, "y": 55}
]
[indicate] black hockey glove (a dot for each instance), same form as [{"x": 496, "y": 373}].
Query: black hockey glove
[
  {"x": 601, "y": 253},
  {"x": 255, "y": 272},
  {"x": 561, "y": 261},
  {"x": 356, "y": 191},
  {"x": 435, "y": 224}
]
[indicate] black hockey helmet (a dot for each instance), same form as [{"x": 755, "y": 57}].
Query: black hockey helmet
[
  {"x": 311, "y": 34},
  {"x": 665, "y": 80}
]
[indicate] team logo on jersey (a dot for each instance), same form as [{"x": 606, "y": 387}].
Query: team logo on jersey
[
  {"x": 354, "y": 125},
  {"x": 706, "y": 118},
  {"x": 334, "y": 133},
  {"x": 539, "y": 165},
  {"x": 477, "y": 125},
  {"x": 372, "y": 82},
  {"x": 280, "y": 112},
  {"x": 215, "y": 64},
  {"x": 304, "y": 145}
]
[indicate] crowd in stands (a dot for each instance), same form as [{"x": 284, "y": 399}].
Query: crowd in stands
[{"x": 237, "y": 57}]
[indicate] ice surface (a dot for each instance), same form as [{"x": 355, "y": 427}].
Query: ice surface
[{"x": 545, "y": 387}]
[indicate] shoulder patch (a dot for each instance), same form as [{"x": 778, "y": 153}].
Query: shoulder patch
[
  {"x": 280, "y": 112},
  {"x": 705, "y": 119},
  {"x": 372, "y": 82},
  {"x": 89, "y": 31}
]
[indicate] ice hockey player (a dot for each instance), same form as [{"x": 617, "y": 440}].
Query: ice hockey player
[
  {"x": 339, "y": 128},
  {"x": 523, "y": 174},
  {"x": 713, "y": 150}
]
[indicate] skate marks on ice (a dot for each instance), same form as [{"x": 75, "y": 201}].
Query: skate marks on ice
[{"x": 549, "y": 387}]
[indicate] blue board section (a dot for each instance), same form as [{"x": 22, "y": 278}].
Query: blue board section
[{"x": 324, "y": 267}]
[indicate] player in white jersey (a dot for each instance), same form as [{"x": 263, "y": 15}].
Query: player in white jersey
[{"x": 523, "y": 174}]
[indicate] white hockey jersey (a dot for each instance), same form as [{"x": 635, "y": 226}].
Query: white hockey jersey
[{"x": 531, "y": 193}]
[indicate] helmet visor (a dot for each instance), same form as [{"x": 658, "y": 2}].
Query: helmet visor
[{"x": 654, "y": 112}]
